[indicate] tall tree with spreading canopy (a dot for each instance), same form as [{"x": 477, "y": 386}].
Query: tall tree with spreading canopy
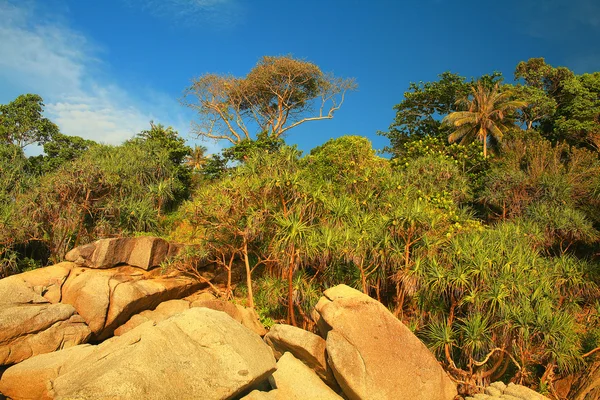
[
  {"x": 487, "y": 115},
  {"x": 22, "y": 122},
  {"x": 278, "y": 94}
]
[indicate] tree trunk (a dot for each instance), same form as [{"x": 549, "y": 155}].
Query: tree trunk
[
  {"x": 291, "y": 317},
  {"x": 363, "y": 277},
  {"x": 248, "y": 276},
  {"x": 485, "y": 146},
  {"x": 229, "y": 275}
]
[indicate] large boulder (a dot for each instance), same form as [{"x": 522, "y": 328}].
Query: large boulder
[
  {"x": 160, "y": 313},
  {"x": 245, "y": 316},
  {"x": 142, "y": 252},
  {"x": 30, "y": 324},
  {"x": 199, "y": 353},
  {"x": 40, "y": 285},
  {"x": 305, "y": 346},
  {"x": 28, "y": 380},
  {"x": 294, "y": 380},
  {"x": 373, "y": 355},
  {"x": 107, "y": 298}
]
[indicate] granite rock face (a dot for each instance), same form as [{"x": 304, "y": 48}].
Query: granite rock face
[
  {"x": 28, "y": 380},
  {"x": 31, "y": 324},
  {"x": 245, "y": 316},
  {"x": 501, "y": 391},
  {"x": 108, "y": 298},
  {"x": 373, "y": 355},
  {"x": 199, "y": 353},
  {"x": 305, "y": 346},
  {"x": 142, "y": 252}
]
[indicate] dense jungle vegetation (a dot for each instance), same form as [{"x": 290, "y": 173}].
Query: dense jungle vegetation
[{"x": 481, "y": 232}]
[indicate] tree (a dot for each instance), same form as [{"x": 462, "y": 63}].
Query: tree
[
  {"x": 59, "y": 150},
  {"x": 165, "y": 138},
  {"x": 198, "y": 158},
  {"x": 278, "y": 94},
  {"x": 166, "y": 146},
  {"x": 575, "y": 115},
  {"x": 22, "y": 123},
  {"x": 487, "y": 116},
  {"x": 540, "y": 106},
  {"x": 417, "y": 115}
]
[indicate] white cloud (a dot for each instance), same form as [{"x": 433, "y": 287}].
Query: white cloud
[
  {"x": 218, "y": 13},
  {"x": 46, "y": 57},
  {"x": 41, "y": 55}
]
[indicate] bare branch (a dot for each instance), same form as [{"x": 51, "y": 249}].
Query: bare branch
[{"x": 277, "y": 94}]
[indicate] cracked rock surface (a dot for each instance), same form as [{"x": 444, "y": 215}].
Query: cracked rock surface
[{"x": 199, "y": 353}]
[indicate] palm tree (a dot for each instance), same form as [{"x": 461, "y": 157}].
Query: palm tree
[
  {"x": 488, "y": 111},
  {"x": 197, "y": 159}
]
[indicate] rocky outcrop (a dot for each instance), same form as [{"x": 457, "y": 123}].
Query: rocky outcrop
[
  {"x": 305, "y": 346},
  {"x": 246, "y": 316},
  {"x": 108, "y": 298},
  {"x": 28, "y": 380},
  {"x": 293, "y": 380},
  {"x": 500, "y": 391},
  {"x": 373, "y": 355},
  {"x": 204, "y": 353},
  {"x": 30, "y": 324},
  {"x": 199, "y": 353},
  {"x": 63, "y": 305},
  {"x": 160, "y": 313},
  {"x": 141, "y": 252}
]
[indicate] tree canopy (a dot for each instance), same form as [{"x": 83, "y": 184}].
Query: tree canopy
[
  {"x": 22, "y": 122},
  {"x": 278, "y": 94},
  {"x": 487, "y": 116},
  {"x": 492, "y": 260}
]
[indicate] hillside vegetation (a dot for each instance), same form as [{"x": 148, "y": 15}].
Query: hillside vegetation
[{"x": 480, "y": 233}]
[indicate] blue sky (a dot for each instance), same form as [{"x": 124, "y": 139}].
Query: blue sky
[{"x": 106, "y": 68}]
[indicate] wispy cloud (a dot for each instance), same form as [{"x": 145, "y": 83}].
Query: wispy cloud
[
  {"x": 41, "y": 55},
  {"x": 217, "y": 13},
  {"x": 556, "y": 19}
]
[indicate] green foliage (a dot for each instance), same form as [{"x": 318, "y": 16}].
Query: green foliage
[
  {"x": 104, "y": 191},
  {"x": 419, "y": 114},
  {"x": 493, "y": 261},
  {"x": 576, "y": 116},
  {"x": 468, "y": 158},
  {"x": 167, "y": 146},
  {"x": 487, "y": 115},
  {"x": 345, "y": 159},
  {"x": 22, "y": 123},
  {"x": 547, "y": 182},
  {"x": 60, "y": 149},
  {"x": 498, "y": 291},
  {"x": 241, "y": 151},
  {"x": 416, "y": 115}
]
